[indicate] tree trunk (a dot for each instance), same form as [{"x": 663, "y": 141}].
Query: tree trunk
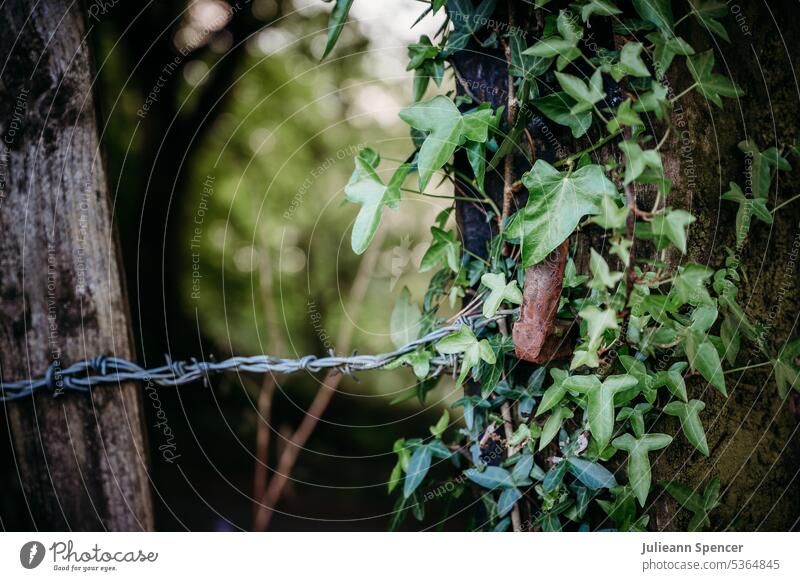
[
  {"x": 82, "y": 459},
  {"x": 753, "y": 435}
]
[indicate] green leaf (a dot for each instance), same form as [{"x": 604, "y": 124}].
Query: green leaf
[
  {"x": 597, "y": 322},
  {"x": 611, "y": 216},
  {"x": 417, "y": 469},
  {"x": 599, "y": 8},
  {"x": 499, "y": 292},
  {"x": 367, "y": 189},
  {"x": 731, "y": 339},
  {"x": 558, "y": 107},
  {"x": 710, "y": 85},
  {"x": 553, "y": 425},
  {"x": 420, "y": 52},
  {"x": 405, "y": 323},
  {"x": 704, "y": 358},
  {"x": 446, "y": 129},
  {"x": 445, "y": 250},
  {"x": 639, "y": 473},
  {"x": 630, "y": 62},
  {"x": 600, "y": 401},
  {"x": 690, "y": 284},
  {"x": 689, "y": 415},
  {"x": 638, "y": 160},
  {"x": 658, "y": 12},
  {"x": 467, "y": 20},
  {"x": 787, "y": 372},
  {"x": 554, "y": 477},
  {"x": 624, "y": 117},
  {"x": 336, "y": 23},
  {"x": 555, "y": 393},
  {"x": 706, "y": 12},
  {"x": 492, "y": 477},
  {"x": 586, "y": 94},
  {"x": 673, "y": 380},
  {"x": 667, "y": 47},
  {"x": 524, "y": 65},
  {"x": 602, "y": 277},
  {"x": 556, "y": 204},
  {"x": 591, "y": 474},
  {"x": 761, "y": 165},
  {"x": 508, "y": 498},
  {"x": 464, "y": 341},
  {"x": 671, "y": 224},
  {"x": 563, "y": 45},
  {"x": 748, "y": 207}
]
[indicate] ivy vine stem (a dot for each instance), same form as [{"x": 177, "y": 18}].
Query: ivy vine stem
[
  {"x": 786, "y": 203},
  {"x": 686, "y": 91},
  {"x": 746, "y": 367}
]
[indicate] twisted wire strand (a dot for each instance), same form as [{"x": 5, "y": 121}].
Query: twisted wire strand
[{"x": 82, "y": 376}]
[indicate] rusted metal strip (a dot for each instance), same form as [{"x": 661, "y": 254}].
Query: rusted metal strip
[{"x": 533, "y": 333}]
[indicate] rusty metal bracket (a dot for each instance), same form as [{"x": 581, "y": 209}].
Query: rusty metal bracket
[{"x": 536, "y": 336}]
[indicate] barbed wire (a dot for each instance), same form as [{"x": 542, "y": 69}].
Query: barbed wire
[{"x": 84, "y": 375}]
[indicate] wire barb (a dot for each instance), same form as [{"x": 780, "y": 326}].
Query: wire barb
[{"x": 84, "y": 375}]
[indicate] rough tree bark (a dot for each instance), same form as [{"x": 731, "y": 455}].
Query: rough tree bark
[
  {"x": 81, "y": 459},
  {"x": 753, "y": 435}
]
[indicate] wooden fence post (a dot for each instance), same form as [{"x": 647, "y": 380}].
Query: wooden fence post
[{"x": 81, "y": 459}]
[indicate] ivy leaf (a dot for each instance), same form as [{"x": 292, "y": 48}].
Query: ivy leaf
[
  {"x": 421, "y": 51},
  {"x": 748, "y": 207},
  {"x": 710, "y": 85},
  {"x": 591, "y": 474},
  {"x": 673, "y": 380},
  {"x": 446, "y": 128},
  {"x": 671, "y": 224},
  {"x": 524, "y": 65},
  {"x": 635, "y": 416},
  {"x": 704, "y": 358},
  {"x": 563, "y": 45},
  {"x": 706, "y": 11},
  {"x": 558, "y": 107},
  {"x": 336, "y": 23},
  {"x": 600, "y": 401},
  {"x": 624, "y": 117},
  {"x": 597, "y": 322},
  {"x": 630, "y": 62},
  {"x": 366, "y": 188},
  {"x": 658, "y": 12},
  {"x": 611, "y": 216},
  {"x": 467, "y": 20},
  {"x": 508, "y": 498},
  {"x": 602, "y": 276},
  {"x": 555, "y": 393},
  {"x": 761, "y": 166},
  {"x": 787, "y": 372},
  {"x": 731, "y": 339},
  {"x": 556, "y": 204},
  {"x": 553, "y": 425},
  {"x": 500, "y": 291},
  {"x": 689, "y": 415},
  {"x": 667, "y": 47},
  {"x": 418, "y": 467},
  {"x": 440, "y": 427},
  {"x": 690, "y": 284},
  {"x": 600, "y": 8},
  {"x": 638, "y": 160},
  {"x": 586, "y": 94},
  {"x": 405, "y": 323},
  {"x": 445, "y": 250},
  {"x": 639, "y": 473},
  {"x": 464, "y": 341},
  {"x": 492, "y": 477},
  {"x": 654, "y": 100}
]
